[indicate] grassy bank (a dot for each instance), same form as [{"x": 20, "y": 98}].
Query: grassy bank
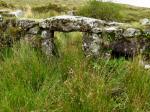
[
  {"x": 113, "y": 11},
  {"x": 107, "y": 11},
  {"x": 33, "y": 3},
  {"x": 29, "y": 81}
]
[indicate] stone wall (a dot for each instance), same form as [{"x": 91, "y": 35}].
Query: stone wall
[{"x": 96, "y": 34}]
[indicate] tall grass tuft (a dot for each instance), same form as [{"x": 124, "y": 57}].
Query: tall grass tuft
[{"x": 29, "y": 81}]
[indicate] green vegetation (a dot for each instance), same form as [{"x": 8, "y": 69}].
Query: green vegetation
[
  {"x": 49, "y": 7},
  {"x": 113, "y": 11},
  {"x": 5, "y": 5},
  {"x": 101, "y": 10},
  {"x": 134, "y": 14},
  {"x": 32, "y": 82},
  {"x": 33, "y": 3},
  {"x": 47, "y": 10}
]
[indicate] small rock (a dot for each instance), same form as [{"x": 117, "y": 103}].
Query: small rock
[
  {"x": 26, "y": 23},
  {"x": 18, "y": 13},
  {"x": 92, "y": 44},
  {"x": 115, "y": 24},
  {"x": 146, "y": 31},
  {"x": 1, "y": 18},
  {"x": 145, "y": 21},
  {"x": 34, "y": 30},
  {"x": 45, "y": 34},
  {"x": 147, "y": 67},
  {"x": 131, "y": 32}
]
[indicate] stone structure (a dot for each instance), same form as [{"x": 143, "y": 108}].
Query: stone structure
[{"x": 95, "y": 34}]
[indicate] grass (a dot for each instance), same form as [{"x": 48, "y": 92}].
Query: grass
[
  {"x": 33, "y": 82},
  {"x": 113, "y": 11},
  {"x": 46, "y": 11},
  {"x": 5, "y": 5},
  {"x": 29, "y": 81},
  {"x": 134, "y": 14},
  {"x": 33, "y": 3},
  {"x": 101, "y": 10},
  {"x": 126, "y": 13}
]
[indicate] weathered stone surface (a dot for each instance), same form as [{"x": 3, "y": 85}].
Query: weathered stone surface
[
  {"x": 114, "y": 31},
  {"x": 146, "y": 31},
  {"x": 131, "y": 32},
  {"x": 72, "y": 23},
  {"x": 17, "y": 13},
  {"x": 92, "y": 44},
  {"x": 125, "y": 40},
  {"x": 144, "y": 44},
  {"x": 114, "y": 24},
  {"x": 111, "y": 29},
  {"x": 1, "y": 18},
  {"x": 46, "y": 34},
  {"x": 147, "y": 67},
  {"x": 145, "y": 21},
  {"x": 26, "y": 23},
  {"x": 4, "y": 11},
  {"x": 48, "y": 45},
  {"x": 34, "y": 30}
]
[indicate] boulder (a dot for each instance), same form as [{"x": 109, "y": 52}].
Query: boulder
[
  {"x": 17, "y": 13},
  {"x": 26, "y": 23},
  {"x": 92, "y": 44},
  {"x": 48, "y": 45},
  {"x": 147, "y": 67},
  {"x": 34, "y": 30},
  {"x": 97, "y": 34},
  {"x": 1, "y": 18},
  {"x": 145, "y": 21},
  {"x": 131, "y": 32},
  {"x": 115, "y": 23},
  {"x": 72, "y": 23},
  {"x": 46, "y": 34}
]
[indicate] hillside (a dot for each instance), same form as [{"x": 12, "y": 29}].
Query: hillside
[{"x": 32, "y": 3}]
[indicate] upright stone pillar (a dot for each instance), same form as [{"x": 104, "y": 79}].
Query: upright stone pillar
[
  {"x": 92, "y": 44},
  {"x": 48, "y": 45}
]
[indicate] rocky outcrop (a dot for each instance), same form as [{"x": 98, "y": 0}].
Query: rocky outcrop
[
  {"x": 122, "y": 41},
  {"x": 145, "y": 21},
  {"x": 17, "y": 13},
  {"x": 73, "y": 23},
  {"x": 131, "y": 32}
]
